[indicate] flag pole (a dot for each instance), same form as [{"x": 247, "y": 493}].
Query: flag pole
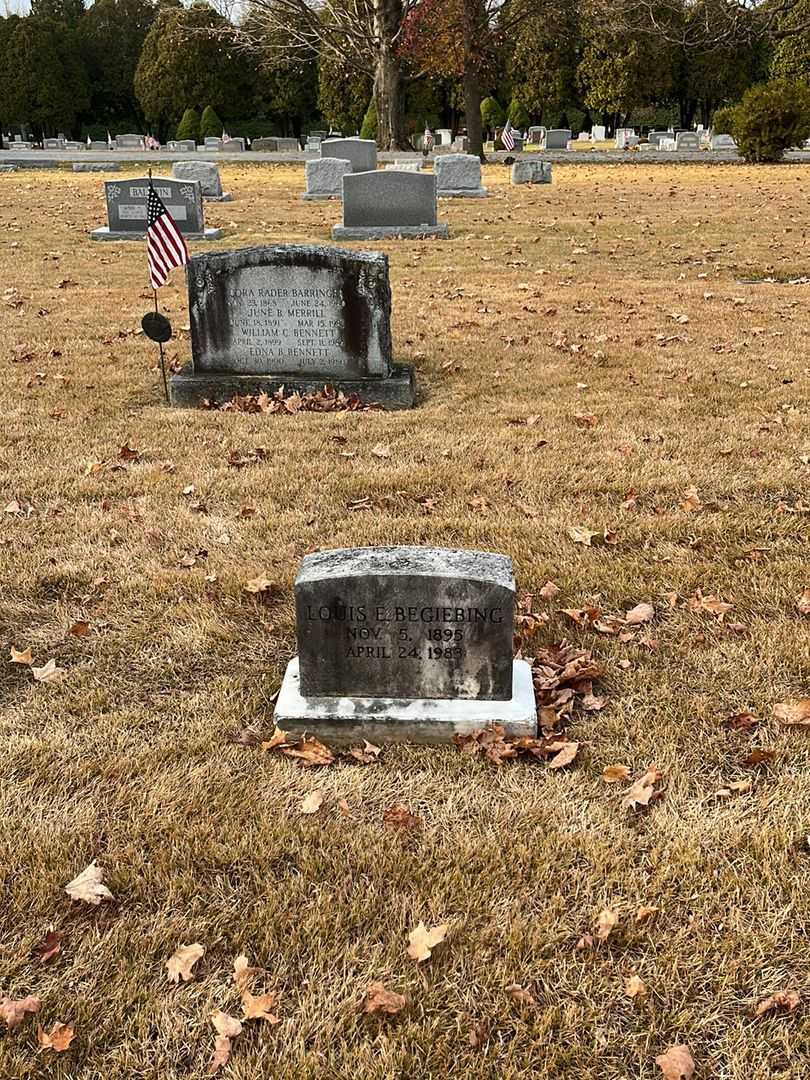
[{"x": 160, "y": 343}]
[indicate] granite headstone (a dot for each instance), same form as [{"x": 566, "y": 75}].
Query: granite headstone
[
  {"x": 296, "y": 316},
  {"x": 207, "y": 175},
  {"x": 362, "y": 153},
  {"x": 458, "y": 176},
  {"x": 384, "y": 205},
  {"x": 324, "y": 178},
  {"x": 126, "y": 208},
  {"x": 405, "y": 644},
  {"x": 531, "y": 172}
]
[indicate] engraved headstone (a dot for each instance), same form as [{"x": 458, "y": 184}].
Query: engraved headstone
[
  {"x": 288, "y": 146},
  {"x": 405, "y": 644},
  {"x": 362, "y": 153},
  {"x": 723, "y": 142},
  {"x": 655, "y": 137},
  {"x": 266, "y": 145},
  {"x": 385, "y": 205},
  {"x": 557, "y": 138},
  {"x": 324, "y": 178},
  {"x": 129, "y": 142},
  {"x": 207, "y": 174},
  {"x": 53, "y": 144},
  {"x": 687, "y": 140},
  {"x": 293, "y": 316},
  {"x": 598, "y": 132},
  {"x": 182, "y": 146},
  {"x": 531, "y": 172},
  {"x": 126, "y": 208},
  {"x": 536, "y": 135},
  {"x": 212, "y": 144},
  {"x": 458, "y": 176}
]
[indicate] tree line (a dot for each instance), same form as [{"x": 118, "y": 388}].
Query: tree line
[{"x": 390, "y": 67}]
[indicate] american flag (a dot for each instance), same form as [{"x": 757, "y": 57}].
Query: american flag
[
  {"x": 428, "y": 139},
  {"x": 507, "y": 138},
  {"x": 165, "y": 246}
]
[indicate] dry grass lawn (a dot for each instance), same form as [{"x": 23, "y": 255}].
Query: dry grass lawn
[{"x": 615, "y": 294}]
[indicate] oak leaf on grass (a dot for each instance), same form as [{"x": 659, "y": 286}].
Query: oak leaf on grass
[
  {"x": 786, "y": 1000},
  {"x": 424, "y": 941},
  {"x": 642, "y": 791},
  {"x": 259, "y": 1007},
  {"x": 605, "y": 924},
  {"x": 635, "y": 987},
  {"x": 380, "y": 1000},
  {"x": 258, "y": 585},
  {"x": 641, "y": 613},
  {"x": 400, "y": 817},
  {"x": 313, "y": 802},
  {"x": 243, "y": 973},
  {"x": 793, "y": 713},
  {"x": 180, "y": 964},
  {"x": 49, "y": 947},
  {"x": 309, "y": 751},
  {"x": 50, "y": 672},
  {"x": 803, "y": 603},
  {"x": 676, "y": 1063},
  {"x": 612, "y": 773},
  {"x": 58, "y": 1038},
  {"x": 520, "y": 995},
  {"x": 21, "y": 656},
  {"x": 89, "y": 886},
  {"x": 14, "y": 1012},
  {"x": 580, "y": 535}
]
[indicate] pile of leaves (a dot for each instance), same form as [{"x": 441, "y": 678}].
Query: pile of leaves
[
  {"x": 493, "y": 744},
  {"x": 327, "y": 399}
]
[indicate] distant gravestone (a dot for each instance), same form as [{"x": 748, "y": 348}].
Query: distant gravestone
[
  {"x": 687, "y": 140},
  {"x": 96, "y": 166},
  {"x": 655, "y": 137},
  {"x": 404, "y": 166},
  {"x": 723, "y": 142},
  {"x": 384, "y": 205},
  {"x": 362, "y": 153},
  {"x": 74, "y": 144},
  {"x": 458, "y": 176},
  {"x": 405, "y": 644},
  {"x": 53, "y": 144},
  {"x": 206, "y": 173},
  {"x": 98, "y": 144},
  {"x": 126, "y": 208},
  {"x": 293, "y": 316},
  {"x": 182, "y": 146},
  {"x": 265, "y": 145},
  {"x": 461, "y": 144},
  {"x": 598, "y": 133},
  {"x": 324, "y": 178},
  {"x": 535, "y": 135},
  {"x": 129, "y": 142},
  {"x": 288, "y": 146},
  {"x": 557, "y": 138},
  {"x": 212, "y": 144},
  {"x": 531, "y": 172},
  {"x": 444, "y": 136},
  {"x": 236, "y": 145}
]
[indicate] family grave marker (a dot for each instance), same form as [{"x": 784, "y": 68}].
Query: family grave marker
[
  {"x": 385, "y": 205},
  {"x": 126, "y": 208},
  {"x": 206, "y": 173},
  {"x": 458, "y": 176},
  {"x": 361, "y": 153}
]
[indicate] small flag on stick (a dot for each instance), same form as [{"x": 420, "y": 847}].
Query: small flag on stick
[
  {"x": 507, "y": 136},
  {"x": 165, "y": 245},
  {"x": 428, "y": 140}
]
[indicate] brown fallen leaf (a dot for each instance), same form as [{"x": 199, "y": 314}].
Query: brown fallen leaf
[
  {"x": 381, "y": 450},
  {"x": 793, "y": 713},
  {"x": 58, "y": 1038},
  {"x": 49, "y": 947},
  {"x": 400, "y": 817},
  {"x": 803, "y": 603},
  {"x": 424, "y": 941},
  {"x": 312, "y": 803},
  {"x": 759, "y": 756},
  {"x": 641, "y": 613},
  {"x": 744, "y": 721},
  {"x": 88, "y": 886},
  {"x": 222, "y": 1053},
  {"x": 581, "y": 535},
  {"x": 259, "y": 1007},
  {"x": 690, "y": 500},
  {"x": 549, "y": 591},
  {"x": 276, "y": 740},
  {"x": 258, "y": 585},
  {"x": 226, "y": 1025},
  {"x": 243, "y": 973},
  {"x": 309, "y": 752},
  {"x": 735, "y": 787},
  {"x": 14, "y": 1012},
  {"x": 365, "y": 754},
  {"x": 564, "y": 756},
  {"x": 80, "y": 628},
  {"x": 520, "y": 995},
  {"x": 127, "y": 453},
  {"x": 708, "y": 605},
  {"x": 642, "y": 791},
  {"x": 21, "y": 656},
  {"x": 49, "y": 672},
  {"x": 605, "y": 924},
  {"x": 180, "y": 964},
  {"x": 635, "y": 987},
  {"x": 787, "y": 1000},
  {"x": 646, "y": 911},
  {"x": 379, "y": 1000},
  {"x": 676, "y": 1063},
  {"x": 612, "y": 773}
]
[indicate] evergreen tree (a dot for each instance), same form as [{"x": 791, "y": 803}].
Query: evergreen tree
[
  {"x": 112, "y": 34},
  {"x": 343, "y": 94},
  {"x": 43, "y": 81},
  {"x": 189, "y": 126},
  {"x": 211, "y": 127},
  {"x": 368, "y": 129}
]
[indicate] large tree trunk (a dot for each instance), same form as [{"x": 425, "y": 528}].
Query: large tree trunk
[
  {"x": 472, "y": 110},
  {"x": 388, "y": 88}
]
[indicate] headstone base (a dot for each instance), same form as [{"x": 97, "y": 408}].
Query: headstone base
[
  {"x": 389, "y": 232},
  {"x": 341, "y": 720},
  {"x": 321, "y": 196},
  {"x": 463, "y": 193},
  {"x": 188, "y": 389},
  {"x": 226, "y": 196},
  {"x": 96, "y": 166},
  {"x": 104, "y": 233}
]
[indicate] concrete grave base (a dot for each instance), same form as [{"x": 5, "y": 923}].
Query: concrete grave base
[
  {"x": 188, "y": 389},
  {"x": 226, "y": 196},
  {"x": 96, "y": 166},
  {"x": 389, "y": 232},
  {"x": 463, "y": 193},
  {"x": 104, "y": 233},
  {"x": 341, "y": 720},
  {"x": 321, "y": 196}
]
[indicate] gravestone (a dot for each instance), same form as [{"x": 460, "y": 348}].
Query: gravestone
[
  {"x": 458, "y": 176},
  {"x": 213, "y": 144},
  {"x": 129, "y": 142},
  {"x": 126, "y": 208},
  {"x": 723, "y": 142},
  {"x": 74, "y": 144},
  {"x": 584, "y": 136},
  {"x": 385, "y": 205},
  {"x": 288, "y": 146},
  {"x": 531, "y": 172},
  {"x": 405, "y": 644},
  {"x": 182, "y": 146},
  {"x": 598, "y": 133},
  {"x": 404, "y": 166},
  {"x": 99, "y": 144},
  {"x": 234, "y": 145},
  {"x": 461, "y": 144},
  {"x": 96, "y": 166},
  {"x": 655, "y": 137},
  {"x": 557, "y": 138},
  {"x": 687, "y": 140},
  {"x": 361, "y": 153},
  {"x": 293, "y": 316},
  {"x": 444, "y": 137},
  {"x": 206, "y": 173},
  {"x": 535, "y": 135},
  {"x": 324, "y": 178},
  {"x": 265, "y": 145},
  {"x": 53, "y": 144}
]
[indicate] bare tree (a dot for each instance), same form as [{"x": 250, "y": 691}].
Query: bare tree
[{"x": 704, "y": 24}]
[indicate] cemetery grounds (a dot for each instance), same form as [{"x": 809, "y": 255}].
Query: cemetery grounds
[{"x": 603, "y": 400}]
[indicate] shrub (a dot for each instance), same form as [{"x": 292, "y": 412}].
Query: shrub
[
  {"x": 517, "y": 115},
  {"x": 491, "y": 114},
  {"x": 189, "y": 126},
  {"x": 211, "y": 127},
  {"x": 770, "y": 118},
  {"x": 368, "y": 129},
  {"x": 723, "y": 120}
]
